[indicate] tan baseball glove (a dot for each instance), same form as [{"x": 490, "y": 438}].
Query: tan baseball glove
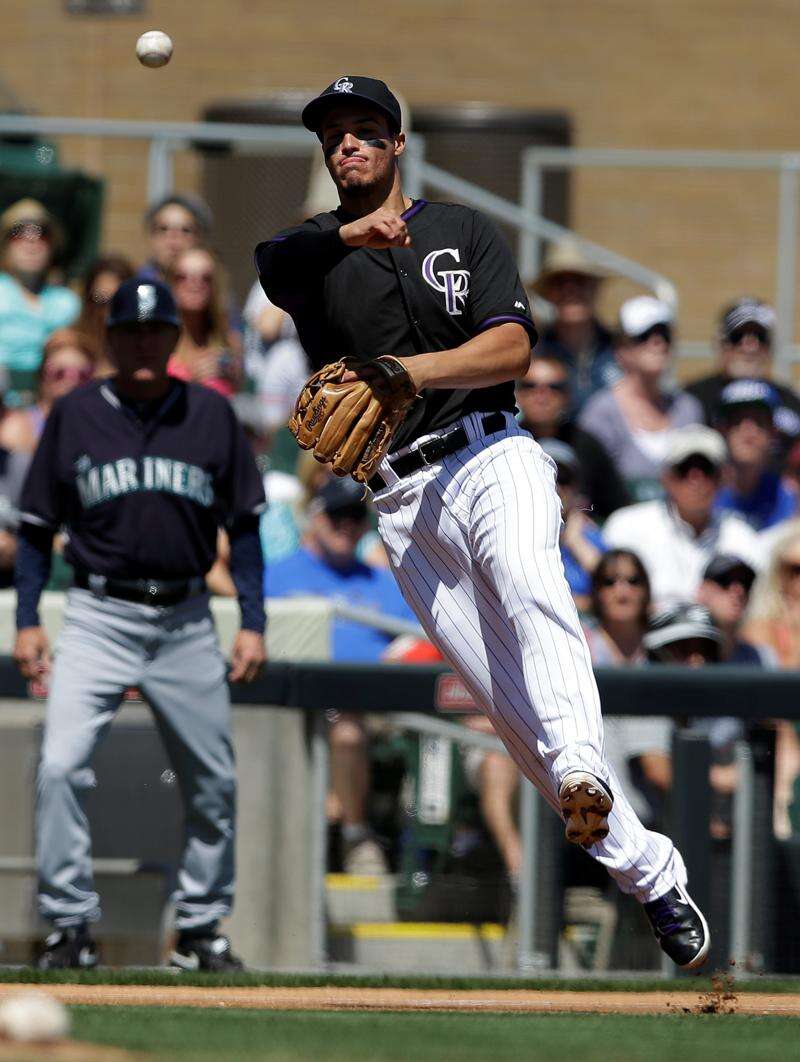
[{"x": 350, "y": 424}]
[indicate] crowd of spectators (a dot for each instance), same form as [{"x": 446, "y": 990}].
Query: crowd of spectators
[{"x": 681, "y": 503}]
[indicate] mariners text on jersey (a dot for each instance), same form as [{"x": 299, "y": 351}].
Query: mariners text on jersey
[
  {"x": 142, "y": 493},
  {"x": 457, "y": 279}
]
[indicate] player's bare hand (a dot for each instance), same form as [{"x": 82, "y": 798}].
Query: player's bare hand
[
  {"x": 32, "y": 652},
  {"x": 247, "y": 656},
  {"x": 380, "y": 229}
]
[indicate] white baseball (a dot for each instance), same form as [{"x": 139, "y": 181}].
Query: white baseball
[
  {"x": 33, "y": 1017},
  {"x": 154, "y": 48}
]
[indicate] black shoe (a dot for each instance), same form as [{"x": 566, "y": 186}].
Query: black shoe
[
  {"x": 205, "y": 953},
  {"x": 680, "y": 928},
  {"x": 68, "y": 949}
]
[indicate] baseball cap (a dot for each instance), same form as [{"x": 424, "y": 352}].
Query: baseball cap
[
  {"x": 352, "y": 87},
  {"x": 746, "y": 311},
  {"x": 747, "y": 392},
  {"x": 679, "y": 623},
  {"x": 695, "y": 440},
  {"x": 138, "y": 301},
  {"x": 723, "y": 565},
  {"x": 639, "y": 315},
  {"x": 339, "y": 495}
]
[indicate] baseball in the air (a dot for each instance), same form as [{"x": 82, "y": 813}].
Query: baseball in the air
[
  {"x": 154, "y": 48},
  {"x": 33, "y": 1017}
]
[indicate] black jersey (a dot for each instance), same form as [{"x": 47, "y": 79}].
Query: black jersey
[
  {"x": 457, "y": 279},
  {"x": 142, "y": 498}
]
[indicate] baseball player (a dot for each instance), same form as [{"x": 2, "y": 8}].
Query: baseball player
[
  {"x": 466, "y": 499},
  {"x": 141, "y": 470}
]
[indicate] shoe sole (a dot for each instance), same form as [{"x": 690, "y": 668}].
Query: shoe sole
[
  {"x": 585, "y": 807},
  {"x": 702, "y": 955}
]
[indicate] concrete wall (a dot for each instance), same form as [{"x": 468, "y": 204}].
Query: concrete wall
[{"x": 628, "y": 73}]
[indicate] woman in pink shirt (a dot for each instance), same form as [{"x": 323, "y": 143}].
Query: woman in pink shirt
[{"x": 208, "y": 351}]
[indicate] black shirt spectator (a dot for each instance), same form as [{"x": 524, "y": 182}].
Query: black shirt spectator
[
  {"x": 543, "y": 396},
  {"x": 745, "y": 350}
]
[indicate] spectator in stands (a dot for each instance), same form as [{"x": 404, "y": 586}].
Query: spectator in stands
[
  {"x": 582, "y": 543},
  {"x": 69, "y": 361},
  {"x": 774, "y": 621},
  {"x": 104, "y": 277},
  {"x": 31, "y": 307},
  {"x": 751, "y": 488},
  {"x": 544, "y": 401},
  {"x": 208, "y": 351},
  {"x": 274, "y": 359},
  {"x": 174, "y": 224},
  {"x": 570, "y": 282},
  {"x": 639, "y": 747},
  {"x": 676, "y": 536},
  {"x": 326, "y": 564},
  {"x": 745, "y": 337},
  {"x": 635, "y": 417}
]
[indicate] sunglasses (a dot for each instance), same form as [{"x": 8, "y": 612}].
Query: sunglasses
[
  {"x": 348, "y": 514},
  {"x": 790, "y": 568},
  {"x": 559, "y": 387},
  {"x": 29, "y": 230},
  {"x": 58, "y": 373},
  {"x": 738, "y": 334},
  {"x": 657, "y": 330},
  {"x": 612, "y": 580},
  {"x": 739, "y": 578},
  {"x": 201, "y": 278},
  {"x": 160, "y": 229},
  {"x": 699, "y": 464}
]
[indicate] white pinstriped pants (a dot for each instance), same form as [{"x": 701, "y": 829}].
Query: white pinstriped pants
[{"x": 474, "y": 543}]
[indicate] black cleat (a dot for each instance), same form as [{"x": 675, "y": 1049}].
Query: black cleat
[
  {"x": 68, "y": 949},
  {"x": 680, "y": 928},
  {"x": 586, "y": 804},
  {"x": 210, "y": 953}
]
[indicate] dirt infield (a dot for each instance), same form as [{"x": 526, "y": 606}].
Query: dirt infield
[{"x": 722, "y": 1000}]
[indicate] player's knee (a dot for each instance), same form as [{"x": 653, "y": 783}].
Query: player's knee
[{"x": 58, "y": 771}]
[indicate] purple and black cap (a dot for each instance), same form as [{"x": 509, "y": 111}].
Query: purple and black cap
[
  {"x": 352, "y": 87},
  {"x": 140, "y": 301}
]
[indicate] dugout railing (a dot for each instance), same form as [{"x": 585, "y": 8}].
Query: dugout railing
[{"x": 428, "y": 699}]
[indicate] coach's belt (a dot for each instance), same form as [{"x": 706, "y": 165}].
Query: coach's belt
[
  {"x": 434, "y": 450},
  {"x": 160, "y": 592}
]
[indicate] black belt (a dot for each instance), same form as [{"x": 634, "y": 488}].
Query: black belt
[
  {"x": 433, "y": 450},
  {"x": 162, "y": 592}
]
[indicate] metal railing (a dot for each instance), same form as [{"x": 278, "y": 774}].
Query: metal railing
[
  {"x": 166, "y": 138},
  {"x": 537, "y": 160}
]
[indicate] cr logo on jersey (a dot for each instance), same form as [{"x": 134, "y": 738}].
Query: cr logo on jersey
[
  {"x": 453, "y": 283},
  {"x": 343, "y": 84}
]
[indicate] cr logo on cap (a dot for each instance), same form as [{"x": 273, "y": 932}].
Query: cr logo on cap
[
  {"x": 146, "y": 298},
  {"x": 343, "y": 84}
]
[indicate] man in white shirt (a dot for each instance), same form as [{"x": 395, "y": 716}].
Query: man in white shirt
[{"x": 677, "y": 536}]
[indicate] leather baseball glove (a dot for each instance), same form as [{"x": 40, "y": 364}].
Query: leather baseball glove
[{"x": 350, "y": 424}]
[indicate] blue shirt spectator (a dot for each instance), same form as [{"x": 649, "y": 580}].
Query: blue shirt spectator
[
  {"x": 30, "y": 307},
  {"x": 326, "y": 564},
  {"x": 766, "y": 505}
]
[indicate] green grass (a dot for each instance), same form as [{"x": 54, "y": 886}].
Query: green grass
[
  {"x": 124, "y": 976},
  {"x": 182, "y": 1033}
]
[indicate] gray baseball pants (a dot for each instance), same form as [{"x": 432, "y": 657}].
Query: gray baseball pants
[{"x": 172, "y": 655}]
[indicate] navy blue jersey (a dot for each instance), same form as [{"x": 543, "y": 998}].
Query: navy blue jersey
[
  {"x": 457, "y": 279},
  {"x": 142, "y": 494}
]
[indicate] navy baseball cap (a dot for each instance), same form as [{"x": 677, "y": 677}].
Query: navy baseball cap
[
  {"x": 747, "y": 392},
  {"x": 138, "y": 301},
  {"x": 340, "y": 495},
  {"x": 352, "y": 87},
  {"x": 679, "y": 623}
]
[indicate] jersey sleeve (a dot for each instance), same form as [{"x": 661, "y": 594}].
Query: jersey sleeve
[
  {"x": 242, "y": 486},
  {"x": 497, "y": 295},
  {"x": 42, "y": 502},
  {"x": 292, "y": 264}
]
